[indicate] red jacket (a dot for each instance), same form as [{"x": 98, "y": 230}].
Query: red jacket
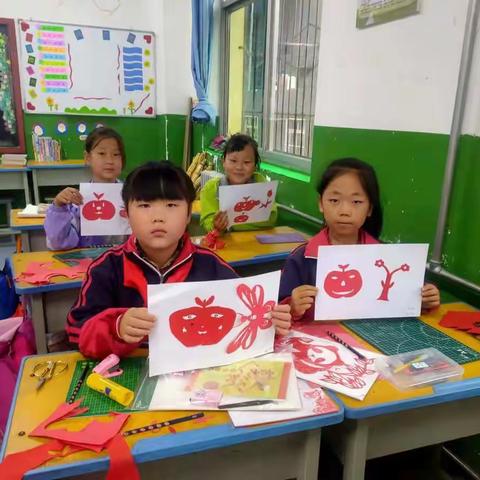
[{"x": 117, "y": 281}]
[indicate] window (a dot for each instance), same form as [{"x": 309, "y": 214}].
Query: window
[{"x": 270, "y": 74}]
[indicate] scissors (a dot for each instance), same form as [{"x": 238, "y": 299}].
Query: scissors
[{"x": 46, "y": 370}]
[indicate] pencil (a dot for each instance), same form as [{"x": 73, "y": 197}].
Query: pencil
[
  {"x": 345, "y": 344},
  {"x": 86, "y": 368}
]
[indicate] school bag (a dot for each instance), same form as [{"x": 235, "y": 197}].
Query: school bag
[{"x": 8, "y": 298}]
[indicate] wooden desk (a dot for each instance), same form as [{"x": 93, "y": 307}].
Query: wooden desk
[
  {"x": 64, "y": 173},
  {"x": 282, "y": 450},
  {"x": 15, "y": 178},
  {"x": 390, "y": 421},
  {"x": 242, "y": 248},
  {"x": 31, "y": 231}
]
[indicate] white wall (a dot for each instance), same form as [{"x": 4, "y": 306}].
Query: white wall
[
  {"x": 400, "y": 75},
  {"x": 170, "y": 20}
]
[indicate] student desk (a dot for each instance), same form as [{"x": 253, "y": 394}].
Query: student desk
[
  {"x": 63, "y": 173},
  {"x": 208, "y": 449},
  {"x": 15, "y": 178},
  {"x": 390, "y": 421},
  {"x": 50, "y": 303},
  {"x": 32, "y": 233}
]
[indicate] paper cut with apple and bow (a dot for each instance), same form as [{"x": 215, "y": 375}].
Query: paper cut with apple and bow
[
  {"x": 102, "y": 211},
  {"x": 206, "y": 324},
  {"x": 248, "y": 203},
  {"x": 369, "y": 281}
]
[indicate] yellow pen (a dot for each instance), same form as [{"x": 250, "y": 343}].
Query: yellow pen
[
  {"x": 421, "y": 357},
  {"x": 111, "y": 389}
]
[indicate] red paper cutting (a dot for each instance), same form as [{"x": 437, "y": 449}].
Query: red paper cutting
[
  {"x": 38, "y": 273},
  {"x": 468, "y": 321}
]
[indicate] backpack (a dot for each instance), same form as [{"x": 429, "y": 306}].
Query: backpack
[{"x": 8, "y": 297}]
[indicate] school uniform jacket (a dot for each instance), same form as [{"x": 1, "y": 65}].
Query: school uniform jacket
[
  {"x": 301, "y": 266},
  {"x": 117, "y": 281}
]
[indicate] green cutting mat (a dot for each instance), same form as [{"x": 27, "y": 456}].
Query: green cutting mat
[
  {"x": 97, "y": 403},
  {"x": 72, "y": 258},
  {"x": 400, "y": 335}
]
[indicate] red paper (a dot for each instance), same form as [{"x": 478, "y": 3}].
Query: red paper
[
  {"x": 122, "y": 465},
  {"x": 460, "y": 319},
  {"x": 94, "y": 436},
  {"x": 40, "y": 273}
]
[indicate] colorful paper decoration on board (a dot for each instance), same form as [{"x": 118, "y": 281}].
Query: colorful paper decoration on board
[
  {"x": 56, "y": 67},
  {"x": 247, "y": 203},
  {"x": 370, "y": 281},
  {"x": 206, "y": 324},
  {"x": 102, "y": 211}
]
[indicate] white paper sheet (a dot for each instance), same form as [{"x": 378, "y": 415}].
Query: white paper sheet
[
  {"x": 248, "y": 203},
  {"x": 206, "y": 324},
  {"x": 370, "y": 281},
  {"x": 103, "y": 212}
]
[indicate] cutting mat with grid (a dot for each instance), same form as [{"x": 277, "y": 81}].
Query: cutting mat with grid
[
  {"x": 400, "y": 335},
  {"x": 97, "y": 403}
]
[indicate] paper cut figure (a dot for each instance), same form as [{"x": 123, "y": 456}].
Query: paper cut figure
[
  {"x": 251, "y": 202},
  {"x": 387, "y": 284},
  {"x": 330, "y": 364},
  {"x": 369, "y": 281},
  {"x": 211, "y": 240},
  {"x": 99, "y": 209},
  {"x": 40, "y": 273},
  {"x": 253, "y": 299},
  {"x": 207, "y": 324},
  {"x": 103, "y": 211},
  {"x": 204, "y": 324},
  {"x": 343, "y": 283}
]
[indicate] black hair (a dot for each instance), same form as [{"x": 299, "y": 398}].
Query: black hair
[
  {"x": 101, "y": 133},
  {"x": 157, "y": 181},
  {"x": 237, "y": 142},
  {"x": 368, "y": 178}
]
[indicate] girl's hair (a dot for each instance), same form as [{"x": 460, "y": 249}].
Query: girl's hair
[
  {"x": 157, "y": 181},
  {"x": 368, "y": 178},
  {"x": 237, "y": 142},
  {"x": 101, "y": 133}
]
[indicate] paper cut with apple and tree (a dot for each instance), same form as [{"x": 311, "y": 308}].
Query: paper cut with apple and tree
[
  {"x": 369, "y": 281},
  {"x": 251, "y": 202},
  {"x": 207, "y": 324}
]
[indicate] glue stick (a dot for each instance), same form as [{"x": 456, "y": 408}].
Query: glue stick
[{"x": 111, "y": 389}]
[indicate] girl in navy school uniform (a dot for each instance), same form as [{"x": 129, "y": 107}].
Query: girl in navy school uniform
[
  {"x": 349, "y": 198},
  {"x": 105, "y": 155}
]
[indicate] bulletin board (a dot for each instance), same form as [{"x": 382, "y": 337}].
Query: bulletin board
[{"x": 83, "y": 70}]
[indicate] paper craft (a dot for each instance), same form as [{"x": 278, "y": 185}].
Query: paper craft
[
  {"x": 329, "y": 364},
  {"x": 369, "y": 281},
  {"x": 184, "y": 390},
  {"x": 211, "y": 240},
  {"x": 41, "y": 273},
  {"x": 33, "y": 211},
  {"x": 248, "y": 203},
  {"x": 206, "y": 324},
  {"x": 314, "y": 402},
  {"x": 102, "y": 211},
  {"x": 281, "y": 238},
  {"x": 254, "y": 378},
  {"x": 461, "y": 320}
]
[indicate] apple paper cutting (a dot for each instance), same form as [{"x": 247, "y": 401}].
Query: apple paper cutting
[
  {"x": 330, "y": 364},
  {"x": 206, "y": 324},
  {"x": 369, "y": 281},
  {"x": 248, "y": 203},
  {"x": 103, "y": 212}
]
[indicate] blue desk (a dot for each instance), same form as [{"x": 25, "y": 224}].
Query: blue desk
[
  {"x": 389, "y": 421},
  {"x": 31, "y": 230},
  {"x": 282, "y": 450}
]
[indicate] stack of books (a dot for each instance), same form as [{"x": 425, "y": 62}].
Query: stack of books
[
  {"x": 46, "y": 149},
  {"x": 13, "y": 159}
]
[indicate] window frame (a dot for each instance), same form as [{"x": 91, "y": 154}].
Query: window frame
[{"x": 276, "y": 158}]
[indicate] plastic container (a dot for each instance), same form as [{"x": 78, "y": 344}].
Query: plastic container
[{"x": 418, "y": 368}]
